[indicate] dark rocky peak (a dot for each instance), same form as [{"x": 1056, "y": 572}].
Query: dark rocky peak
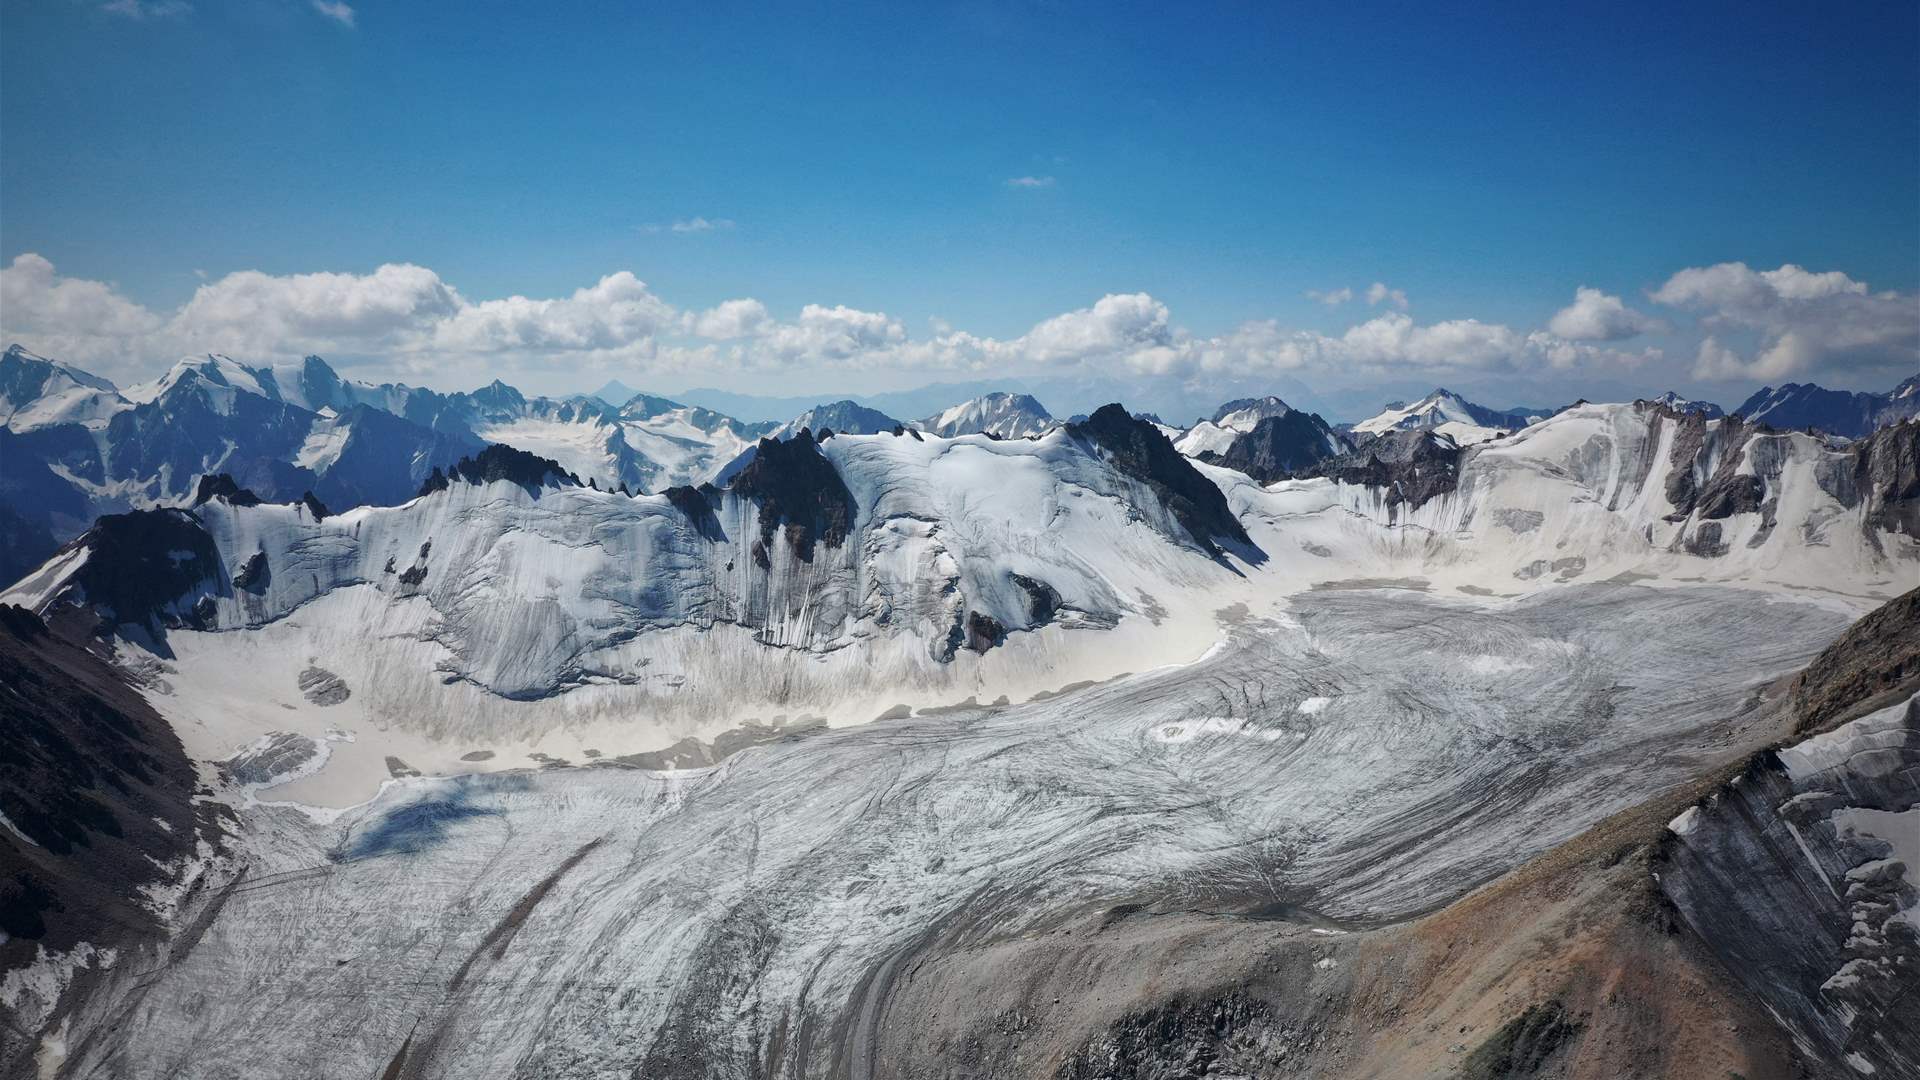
[
  {"x": 1139, "y": 449},
  {"x": 697, "y": 504},
  {"x": 315, "y": 508},
  {"x": 144, "y": 567},
  {"x": 223, "y": 487},
  {"x": 1413, "y": 466},
  {"x": 500, "y": 462},
  {"x": 1281, "y": 445},
  {"x": 799, "y": 491}
]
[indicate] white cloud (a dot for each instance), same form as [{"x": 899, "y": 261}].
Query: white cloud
[
  {"x": 1378, "y": 292},
  {"x": 148, "y": 9},
  {"x": 692, "y": 225},
  {"x": 404, "y": 321},
  {"x": 252, "y": 313},
  {"x": 1331, "y": 297},
  {"x": 732, "y": 319},
  {"x": 1802, "y": 323},
  {"x": 338, "y": 12},
  {"x": 1030, "y": 182},
  {"x": 86, "y": 322},
  {"x": 837, "y": 333},
  {"x": 1597, "y": 316},
  {"x": 1116, "y": 326},
  {"x": 618, "y": 312}
]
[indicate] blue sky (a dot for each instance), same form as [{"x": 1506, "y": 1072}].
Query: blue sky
[{"x": 1224, "y": 159}]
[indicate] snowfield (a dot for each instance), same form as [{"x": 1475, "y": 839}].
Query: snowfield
[{"x": 746, "y": 919}]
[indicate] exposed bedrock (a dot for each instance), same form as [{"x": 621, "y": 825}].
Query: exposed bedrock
[
  {"x": 95, "y": 790},
  {"x": 1411, "y": 467},
  {"x": 1800, "y": 877},
  {"x": 1139, "y": 449}
]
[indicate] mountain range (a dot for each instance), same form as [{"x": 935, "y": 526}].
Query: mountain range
[{"x": 884, "y": 746}]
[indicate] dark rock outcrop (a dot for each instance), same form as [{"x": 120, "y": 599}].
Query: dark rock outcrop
[
  {"x": 1139, "y": 450},
  {"x": 1279, "y": 446},
  {"x": 222, "y": 486},
  {"x": 255, "y": 575},
  {"x": 1412, "y": 466},
  {"x": 144, "y": 564},
  {"x": 697, "y": 503},
  {"x": 1877, "y": 657},
  {"x": 500, "y": 462},
  {"x": 799, "y": 492},
  {"x": 1886, "y": 473},
  {"x": 97, "y": 789}
]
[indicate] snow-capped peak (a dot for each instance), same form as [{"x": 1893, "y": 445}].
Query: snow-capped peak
[
  {"x": 1230, "y": 421},
  {"x": 846, "y": 417},
  {"x": 1009, "y": 416},
  {"x": 1449, "y": 413},
  {"x": 1680, "y": 404}
]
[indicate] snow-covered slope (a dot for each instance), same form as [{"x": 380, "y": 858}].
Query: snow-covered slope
[
  {"x": 1010, "y": 416},
  {"x": 1448, "y": 413},
  {"x": 37, "y": 393}
]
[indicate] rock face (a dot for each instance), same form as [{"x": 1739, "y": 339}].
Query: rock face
[
  {"x": 1280, "y": 446},
  {"x": 95, "y": 790},
  {"x": 147, "y": 568},
  {"x": 1410, "y": 467},
  {"x": 1801, "y": 877},
  {"x": 1876, "y": 657},
  {"x": 799, "y": 493},
  {"x": 1138, "y": 449},
  {"x": 530, "y": 471},
  {"x": 1886, "y": 473}
]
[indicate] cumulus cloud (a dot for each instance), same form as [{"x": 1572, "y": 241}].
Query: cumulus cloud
[
  {"x": 835, "y": 333},
  {"x": 338, "y": 12},
  {"x": 1598, "y": 316},
  {"x": 731, "y": 319},
  {"x": 1030, "y": 182},
  {"x": 1801, "y": 323},
  {"x": 75, "y": 319},
  {"x": 618, "y": 312},
  {"x": 1331, "y": 297},
  {"x": 406, "y": 322},
  {"x": 1378, "y": 293},
  {"x": 249, "y": 312},
  {"x": 1117, "y": 326}
]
